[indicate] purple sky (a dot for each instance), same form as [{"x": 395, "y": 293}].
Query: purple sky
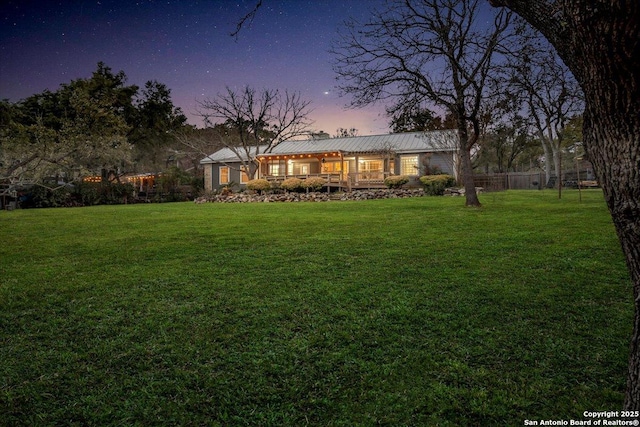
[{"x": 185, "y": 45}]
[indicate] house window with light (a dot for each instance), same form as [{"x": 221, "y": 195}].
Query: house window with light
[
  {"x": 224, "y": 174},
  {"x": 274, "y": 169},
  {"x": 409, "y": 165},
  {"x": 244, "y": 176}
]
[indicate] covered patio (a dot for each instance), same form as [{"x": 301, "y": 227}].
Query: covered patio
[{"x": 339, "y": 169}]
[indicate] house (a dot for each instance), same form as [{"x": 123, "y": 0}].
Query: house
[{"x": 349, "y": 163}]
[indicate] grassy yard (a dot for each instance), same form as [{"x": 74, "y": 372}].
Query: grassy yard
[{"x": 394, "y": 312}]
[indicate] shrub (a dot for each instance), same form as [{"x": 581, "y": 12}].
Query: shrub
[
  {"x": 79, "y": 194},
  {"x": 114, "y": 193},
  {"x": 396, "y": 181},
  {"x": 314, "y": 183},
  {"x": 275, "y": 187},
  {"x": 292, "y": 184},
  {"x": 434, "y": 185},
  {"x": 226, "y": 191},
  {"x": 88, "y": 193},
  {"x": 43, "y": 197},
  {"x": 259, "y": 185}
]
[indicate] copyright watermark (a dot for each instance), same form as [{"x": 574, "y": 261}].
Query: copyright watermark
[{"x": 593, "y": 418}]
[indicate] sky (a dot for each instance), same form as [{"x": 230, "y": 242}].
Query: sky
[{"x": 187, "y": 46}]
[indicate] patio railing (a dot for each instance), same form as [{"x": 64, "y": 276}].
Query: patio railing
[{"x": 352, "y": 179}]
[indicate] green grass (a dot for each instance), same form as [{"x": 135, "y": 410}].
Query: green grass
[{"x": 394, "y": 312}]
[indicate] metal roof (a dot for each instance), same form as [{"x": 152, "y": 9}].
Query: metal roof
[
  {"x": 227, "y": 155},
  {"x": 401, "y": 143}
]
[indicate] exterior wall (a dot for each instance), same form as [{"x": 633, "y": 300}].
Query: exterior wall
[
  {"x": 443, "y": 161},
  {"x": 212, "y": 175}
]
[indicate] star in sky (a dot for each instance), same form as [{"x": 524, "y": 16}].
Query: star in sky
[{"x": 187, "y": 46}]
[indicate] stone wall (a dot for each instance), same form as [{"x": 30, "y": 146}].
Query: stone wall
[{"x": 247, "y": 197}]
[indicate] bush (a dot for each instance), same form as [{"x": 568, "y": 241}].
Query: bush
[
  {"x": 79, "y": 194},
  {"x": 259, "y": 185},
  {"x": 396, "y": 181},
  {"x": 275, "y": 187},
  {"x": 434, "y": 185},
  {"x": 88, "y": 193},
  {"x": 114, "y": 193},
  {"x": 42, "y": 197},
  {"x": 292, "y": 184},
  {"x": 314, "y": 184}
]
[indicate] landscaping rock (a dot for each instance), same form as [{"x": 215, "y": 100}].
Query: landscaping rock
[{"x": 311, "y": 196}]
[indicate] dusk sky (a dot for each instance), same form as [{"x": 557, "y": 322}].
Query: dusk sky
[{"x": 185, "y": 45}]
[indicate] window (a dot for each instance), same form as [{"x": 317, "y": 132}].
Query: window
[
  {"x": 409, "y": 165},
  {"x": 274, "y": 169},
  {"x": 224, "y": 174},
  {"x": 329, "y": 167},
  {"x": 371, "y": 166},
  {"x": 244, "y": 176}
]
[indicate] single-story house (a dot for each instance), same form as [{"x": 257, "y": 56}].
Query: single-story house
[{"x": 352, "y": 162}]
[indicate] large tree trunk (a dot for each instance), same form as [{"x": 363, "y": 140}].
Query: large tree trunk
[
  {"x": 471, "y": 196},
  {"x": 611, "y": 135},
  {"x": 599, "y": 41},
  {"x": 612, "y": 141},
  {"x": 547, "y": 163}
]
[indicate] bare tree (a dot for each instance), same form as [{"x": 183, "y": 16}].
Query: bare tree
[
  {"x": 345, "y": 133},
  {"x": 551, "y": 96},
  {"x": 256, "y": 122},
  {"x": 430, "y": 50},
  {"x": 599, "y": 41}
]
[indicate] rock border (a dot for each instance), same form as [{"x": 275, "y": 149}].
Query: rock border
[
  {"x": 311, "y": 196},
  {"x": 317, "y": 196}
]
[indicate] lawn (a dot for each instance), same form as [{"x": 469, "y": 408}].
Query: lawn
[{"x": 395, "y": 312}]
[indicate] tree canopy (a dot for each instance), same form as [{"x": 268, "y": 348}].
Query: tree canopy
[{"x": 86, "y": 127}]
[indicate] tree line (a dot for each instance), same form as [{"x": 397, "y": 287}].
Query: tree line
[{"x": 98, "y": 126}]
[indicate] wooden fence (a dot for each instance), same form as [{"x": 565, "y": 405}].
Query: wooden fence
[{"x": 510, "y": 181}]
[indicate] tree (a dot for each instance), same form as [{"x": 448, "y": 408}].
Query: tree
[
  {"x": 346, "y": 133},
  {"x": 198, "y": 143},
  {"x": 255, "y": 123},
  {"x": 599, "y": 41},
  {"x": 551, "y": 96},
  {"x": 79, "y": 129},
  {"x": 503, "y": 146},
  {"x": 425, "y": 51},
  {"x": 154, "y": 125},
  {"x": 410, "y": 118}
]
